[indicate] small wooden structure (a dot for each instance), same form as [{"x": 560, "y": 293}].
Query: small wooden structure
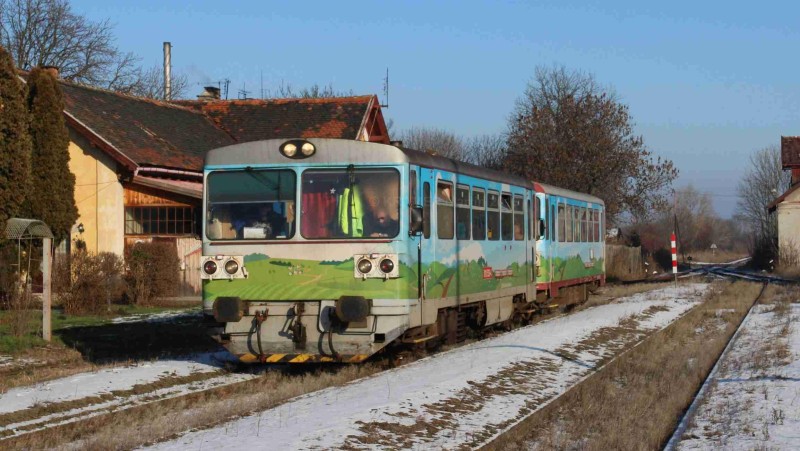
[{"x": 21, "y": 229}]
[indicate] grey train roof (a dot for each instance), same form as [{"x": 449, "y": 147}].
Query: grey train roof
[{"x": 550, "y": 189}]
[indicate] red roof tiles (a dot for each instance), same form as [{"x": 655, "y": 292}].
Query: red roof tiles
[{"x": 145, "y": 132}]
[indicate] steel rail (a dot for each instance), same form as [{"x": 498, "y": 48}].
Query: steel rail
[{"x": 683, "y": 424}]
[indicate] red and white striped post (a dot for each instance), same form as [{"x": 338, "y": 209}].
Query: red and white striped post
[{"x": 674, "y": 258}]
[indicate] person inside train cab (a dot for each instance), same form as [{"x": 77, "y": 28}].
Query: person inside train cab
[{"x": 381, "y": 212}]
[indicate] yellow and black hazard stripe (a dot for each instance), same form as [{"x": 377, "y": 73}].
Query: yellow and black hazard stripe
[{"x": 301, "y": 358}]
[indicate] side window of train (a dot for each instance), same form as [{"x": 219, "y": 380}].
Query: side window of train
[
  {"x": 584, "y": 226},
  {"x": 493, "y": 216},
  {"x": 478, "y": 214},
  {"x": 462, "y": 212},
  {"x": 570, "y": 220},
  {"x": 519, "y": 218},
  {"x": 506, "y": 217},
  {"x": 426, "y": 210},
  {"x": 550, "y": 233},
  {"x": 444, "y": 210},
  {"x": 596, "y": 215},
  {"x": 562, "y": 223},
  {"x": 576, "y": 224}
]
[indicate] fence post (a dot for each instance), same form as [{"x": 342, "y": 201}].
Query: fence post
[{"x": 47, "y": 265}]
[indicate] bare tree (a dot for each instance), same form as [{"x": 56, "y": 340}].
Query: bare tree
[
  {"x": 315, "y": 91},
  {"x": 436, "y": 140},
  {"x": 763, "y": 182},
  {"x": 150, "y": 83},
  {"x": 568, "y": 131},
  {"x": 488, "y": 151},
  {"x": 49, "y": 33}
]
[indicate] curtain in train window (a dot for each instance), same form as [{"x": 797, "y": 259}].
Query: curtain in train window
[
  {"x": 478, "y": 214},
  {"x": 444, "y": 210},
  {"x": 493, "y": 215},
  {"x": 462, "y": 213},
  {"x": 519, "y": 218},
  {"x": 576, "y": 225},
  {"x": 562, "y": 223}
]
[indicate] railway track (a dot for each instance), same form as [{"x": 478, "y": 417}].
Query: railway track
[
  {"x": 71, "y": 418},
  {"x": 683, "y": 424}
]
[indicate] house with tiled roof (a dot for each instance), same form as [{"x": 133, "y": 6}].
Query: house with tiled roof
[
  {"x": 138, "y": 162},
  {"x": 787, "y": 205}
]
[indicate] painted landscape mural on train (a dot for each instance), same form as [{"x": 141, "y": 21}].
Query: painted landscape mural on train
[{"x": 283, "y": 278}]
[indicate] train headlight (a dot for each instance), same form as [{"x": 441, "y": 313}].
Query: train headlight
[
  {"x": 289, "y": 149},
  {"x": 210, "y": 267},
  {"x": 231, "y": 267},
  {"x": 387, "y": 265},
  {"x": 364, "y": 266},
  {"x": 308, "y": 149}
]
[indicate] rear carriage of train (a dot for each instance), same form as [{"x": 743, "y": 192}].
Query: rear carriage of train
[
  {"x": 306, "y": 249},
  {"x": 571, "y": 248}
]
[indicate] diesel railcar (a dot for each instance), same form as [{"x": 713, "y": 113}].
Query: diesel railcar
[{"x": 324, "y": 250}]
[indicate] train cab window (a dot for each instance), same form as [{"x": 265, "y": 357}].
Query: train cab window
[
  {"x": 462, "y": 213},
  {"x": 478, "y": 214},
  {"x": 426, "y": 210},
  {"x": 519, "y": 218},
  {"x": 350, "y": 203},
  {"x": 562, "y": 223},
  {"x": 444, "y": 210},
  {"x": 250, "y": 205},
  {"x": 506, "y": 216},
  {"x": 493, "y": 216}
]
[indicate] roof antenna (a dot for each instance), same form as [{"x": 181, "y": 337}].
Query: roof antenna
[
  {"x": 386, "y": 90},
  {"x": 243, "y": 92}
]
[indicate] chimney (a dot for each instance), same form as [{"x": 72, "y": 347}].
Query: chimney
[
  {"x": 209, "y": 93},
  {"x": 52, "y": 70},
  {"x": 167, "y": 69}
]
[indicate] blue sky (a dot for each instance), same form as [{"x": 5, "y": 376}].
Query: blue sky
[{"x": 707, "y": 83}]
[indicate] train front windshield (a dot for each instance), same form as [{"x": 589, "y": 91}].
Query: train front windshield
[{"x": 355, "y": 203}]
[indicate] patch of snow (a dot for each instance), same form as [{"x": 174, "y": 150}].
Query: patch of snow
[
  {"x": 754, "y": 399},
  {"x": 107, "y": 380},
  {"x": 464, "y": 397}
]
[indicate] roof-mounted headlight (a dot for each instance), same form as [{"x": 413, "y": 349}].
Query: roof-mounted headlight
[
  {"x": 308, "y": 149},
  {"x": 289, "y": 149},
  {"x": 298, "y": 148}
]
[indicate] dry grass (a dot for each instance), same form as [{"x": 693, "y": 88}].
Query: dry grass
[
  {"x": 609, "y": 293},
  {"x": 635, "y": 401},
  {"x": 42, "y": 364},
  {"x": 168, "y": 418}
]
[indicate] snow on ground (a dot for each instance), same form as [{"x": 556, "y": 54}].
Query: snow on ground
[
  {"x": 754, "y": 398},
  {"x": 105, "y": 381},
  {"x": 463, "y": 397}
]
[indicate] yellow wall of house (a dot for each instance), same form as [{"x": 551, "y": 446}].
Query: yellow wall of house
[
  {"x": 789, "y": 226},
  {"x": 99, "y": 197}
]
